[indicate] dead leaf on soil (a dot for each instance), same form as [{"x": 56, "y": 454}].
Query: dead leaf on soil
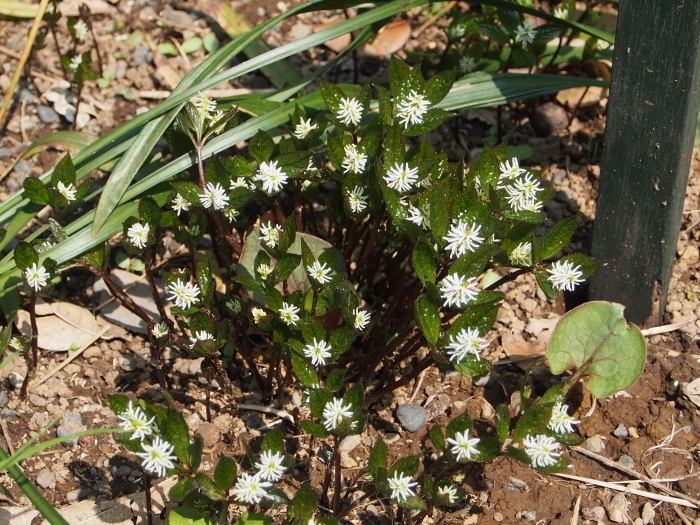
[
  {"x": 520, "y": 352},
  {"x": 542, "y": 329},
  {"x": 390, "y": 39},
  {"x": 97, "y": 7},
  {"x": 337, "y": 44},
  {"x": 692, "y": 391},
  {"x": 593, "y": 96}
]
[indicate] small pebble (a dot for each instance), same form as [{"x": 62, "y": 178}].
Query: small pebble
[
  {"x": 626, "y": 461},
  {"x": 483, "y": 381},
  {"x": 210, "y": 434},
  {"x": 648, "y": 513},
  {"x": 70, "y": 424},
  {"x": 3, "y": 398},
  {"x": 74, "y": 496},
  {"x": 44, "y": 478},
  {"x": 617, "y": 510},
  {"x": 518, "y": 483},
  {"x": 621, "y": 431},
  {"x": 47, "y": 114},
  {"x": 594, "y": 444},
  {"x": 498, "y": 517},
  {"x": 23, "y": 167},
  {"x": 7, "y": 413},
  {"x": 593, "y": 513},
  {"x": 529, "y": 515},
  {"x": 549, "y": 118},
  {"x": 4, "y": 153},
  {"x": 412, "y": 417},
  {"x": 140, "y": 56},
  {"x": 122, "y": 471}
]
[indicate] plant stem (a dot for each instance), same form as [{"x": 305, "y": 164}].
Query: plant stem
[
  {"x": 508, "y": 278},
  {"x": 33, "y": 361},
  {"x": 149, "y": 503},
  {"x": 338, "y": 479},
  {"x": 376, "y": 395},
  {"x": 52, "y": 29}
]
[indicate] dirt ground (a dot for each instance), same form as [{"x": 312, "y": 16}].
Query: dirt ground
[{"x": 652, "y": 427}]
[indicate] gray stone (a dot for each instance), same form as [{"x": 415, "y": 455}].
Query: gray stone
[
  {"x": 210, "y": 434},
  {"x": 518, "y": 483},
  {"x": 4, "y": 153},
  {"x": 594, "y": 444},
  {"x": 529, "y": 515},
  {"x": 23, "y": 167},
  {"x": 70, "y": 424},
  {"x": 7, "y": 413},
  {"x": 127, "y": 362},
  {"x": 45, "y": 478},
  {"x": 621, "y": 431},
  {"x": 483, "y": 381},
  {"x": 626, "y": 461},
  {"x": 254, "y": 421},
  {"x": 74, "y": 496},
  {"x": 27, "y": 96},
  {"x": 122, "y": 472},
  {"x": 648, "y": 513},
  {"x": 181, "y": 18},
  {"x": 412, "y": 417},
  {"x": 101, "y": 487},
  {"x": 549, "y": 118},
  {"x": 47, "y": 114},
  {"x": 3, "y": 398},
  {"x": 593, "y": 513},
  {"x": 140, "y": 56},
  {"x": 350, "y": 443}
]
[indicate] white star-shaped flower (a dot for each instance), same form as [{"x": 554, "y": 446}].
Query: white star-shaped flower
[
  {"x": 561, "y": 12},
  {"x": 138, "y": 234},
  {"x": 401, "y": 177},
  {"x": 467, "y": 64},
  {"x": 463, "y": 237},
  {"x": 36, "y": 276},
  {"x": 401, "y": 486},
  {"x": 564, "y": 276},
  {"x": 214, "y": 195},
  {"x": 420, "y": 217},
  {"x": 66, "y": 191},
  {"x": 525, "y": 33},
  {"x": 158, "y": 457},
  {"x": 522, "y": 254},
  {"x": 270, "y": 234},
  {"x": 561, "y": 422},
  {"x": 231, "y": 214},
  {"x": 250, "y": 489},
  {"x": 354, "y": 161},
  {"x": 75, "y": 62},
  {"x": 184, "y": 294},
  {"x": 320, "y": 272},
  {"x": 318, "y": 352},
  {"x": 509, "y": 171},
  {"x": 335, "y": 412},
  {"x": 362, "y": 318},
  {"x": 206, "y": 106},
  {"x": 264, "y": 270},
  {"x": 258, "y": 313},
  {"x": 411, "y": 109},
  {"x": 160, "y": 330},
  {"x": 357, "y": 200},
  {"x": 350, "y": 111},
  {"x": 523, "y": 192},
  {"x": 272, "y": 177},
  {"x": 270, "y": 466},
  {"x": 180, "y": 204},
  {"x": 240, "y": 182},
  {"x": 288, "y": 313},
  {"x": 81, "y": 30},
  {"x": 234, "y": 305},
  {"x": 541, "y": 450},
  {"x": 136, "y": 421},
  {"x": 457, "y": 290},
  {"x": 15, "y": 344},
  {"x": 303, "y": 129},
  {"x": 466, "y": 342},
  {"x": 462, "y": 446},
  {"x": 449, "y": 491}
]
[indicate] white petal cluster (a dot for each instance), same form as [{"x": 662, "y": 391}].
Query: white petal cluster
[
  {"x": 270, "y": 466},
  {"x": 401, "y": 486},
  {"x": 180, "y": 204},
  {"x": 214, "y": 196},
  {"x": 257, "y": 313},
  {"x": 184, "y": 294},
  {"x": 561, "y": 422},
  {"x": 350, "y": 111},
  {"x": 36, "y": 276},
  {"x": 231, "y": 214},
  {"x": 541, "y": 450},
  {"x": 561, "y": 12},
  {"x": 303, "y": 129},
  {"x": 362, "y": 318},
  {"x": 448, "y": 491},
  {"x": 270, "y": 234},
  {"x": 160, "y": 330},
  {"x": 288, "y": 313},
  {"x": 264, "y": 270},
  {"x": 401, "y": 177},
  {"x": 467, "y": 342},
  {"x": 81, "y": 30},
  {"x": 272, "y": 177},
  {"x": 522, "y": 254},
  {"x": 522, "y": 194},
  {"x": 458, "y": 291},
  {"x": 509, "y": 171},
  {"x": 320, "y": 272},
  {"x": 134, "y": 420},
  {"x": 66, "y": 191},
  {"x": 318, "y": 352},
  {"x": 206, "y": 106},
  {"x": 420, "y": 216},
  {"x": 138, "y": 234},
  {"x": 250, "y": 489},
  {"x": 75, "y": 62},
  {"x": 564, "y": 276},
  {"x": 462, "y": 446},
  {"x": 412, "y": 109},
  {"x": 335, "y": 412},
  {"x": 354, "y": 161},
  {"x": 357, "y": 200},
  {"x": 158, "y": 457},
  {"x": 525, "y": 33},
  {"x": 463, "y": 237},
  {"x": 467, "y": 64}
]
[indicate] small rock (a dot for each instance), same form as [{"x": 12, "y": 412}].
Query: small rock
[
  {"x": 120, "y": 69},
  {"x": 37, "y": 401},
  {"x": 483, "y": 381},
  {"x": 3, "y": 398},
  {"x": 47, "y": 114},
  {"x": 549, "y": 118},
  {"x": 23, "y": 168},
  {"x": 74, "y": 496},
  {"x": 4, "y": 153},
  {"x": 223, "y": 422},
  {"x": 140, "y": 56},
  {"x": 411, "y": 417},
  {"x": 626, "y": 461},
  {"x": 350, "y": 443},
  {"x": 254, "y": 421},
  {"x": 179, "y": 17},
  {"x": 648, "y": 513},
  {"x": 27, "y": 96},
  {"x": 559, "y": 176},
  {"x": 621, "y": 431},
  {"x": 7, "y": 413},
  {"x": 518, "y": 483},
  {"x": 594, "y": 444},
  {"x": 44, "y": 478},
  {"x": 101, "y": 487},
  {"x": 70, "y": 424},
  {"x": 529, "y": 515},
  {"x": 122, "y": 471},
  {"x": 210, "y": 434},
  {"x": 127, "y": 362},
  {"x": 498, "y": 516},
  {"x": 593, "y": 513},
  {"x": 617, "y": 510}
]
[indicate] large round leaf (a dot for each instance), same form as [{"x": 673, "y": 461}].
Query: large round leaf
[{"x": 596, "y": 336}]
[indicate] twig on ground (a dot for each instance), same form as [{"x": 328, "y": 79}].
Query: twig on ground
[
  {"x": 268, "y": 410},
  {"x": 417, "y": 387},
  {"x": 6, "y": 433},
  {"x": 667, "y": 328},
  {"x": 643, "y": 493},
  {"x": 682, "y": 516},
  {"x": 430, "y": 21},
  {"x": 577, "y": 506}
]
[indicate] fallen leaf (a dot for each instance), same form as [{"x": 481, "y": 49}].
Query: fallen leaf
[
  {"x": 692, "y": 391},
  {"x": 522, "y": 353},
  {"x": 97, "y": 7},
  {"x": 337, "y": 44},
  {"x": 592, "y": 97},
  {"x": 55, "y": 334},
  {"x": 390, "y": 39},
  {"x": 542, "y": 329}
]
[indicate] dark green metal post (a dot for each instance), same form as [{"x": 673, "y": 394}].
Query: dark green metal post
[{"x": 652, "y": 111}]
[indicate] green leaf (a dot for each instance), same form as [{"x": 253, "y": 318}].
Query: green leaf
[
  {"x": 36, "y": 191},
  {"x": 412, "y": 503},
  {"x": 63, "y": 172},
  {"x": 251, "y": 518},
  {"x": 273, "y": 442},
  {"x": 547, "y": 287},
  {"x": 196, "y": 452},
  {"x": 424, "y": 261},
  {"x": 472, "y": 366},
  {"x": 286, "y": 265},
  {"x": 303, "y": 505},
  {"x": 205, "y": 280},
  {"x": 587, "y": 265},
  {"x": 176, "y": 433},
  {"x": 341, "y": 340},
  {"x": 394, "y": 147},
  {"x": 595, "y": 339},
  {"x": 312, "y": 329},
  {"x": 431, "y": 120},
  {"x": 189, "y": 191},
  {"x": 437, "y": 87},
  {"x": 377, "y": 458},
  {"x": 181, "y": 489},
  {"x": 557, "y": 238},
  {"x": 437, "y": 438},
  {"x": 191, "y": 45},
  {"x": 534, "y": 421},
  {"x": 488, "y": 448},
  {"x": 211, "y": 43},
  {"x": 459, "y": 424},
  {"x": 149, "y": 211},
  {"x": 407, "y": 466},
  {"x": 493, "y": 31},
  {"x": 303, "y": 369},
  {"x": 25, "y": 255},
  {"x": 479, "y": 317},
  {"x": 502, "y": 422},
  {"x": 225, "y": 473},
  {"x": 332, "y": 96},
  {"x": 319, "y": 398},
  {"x": 428, "y": 319},
  {"x": 118, "y": 403},
  {"x": 315, "y": 429},
  {"x": 334, "y": 381},
  {"x": 261, "y": 147}
]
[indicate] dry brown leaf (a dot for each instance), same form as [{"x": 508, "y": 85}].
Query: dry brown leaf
[
  {"x": 592, "y": 97},
  {"x": 55, "y": 334},
  {"x": 337, "y": 44},
  {"x": 542, "y": 329},
  {"x": 97, "y": 7},
  {"x": 522, "y": 353},
  {"x": 390, "y": 39}
]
